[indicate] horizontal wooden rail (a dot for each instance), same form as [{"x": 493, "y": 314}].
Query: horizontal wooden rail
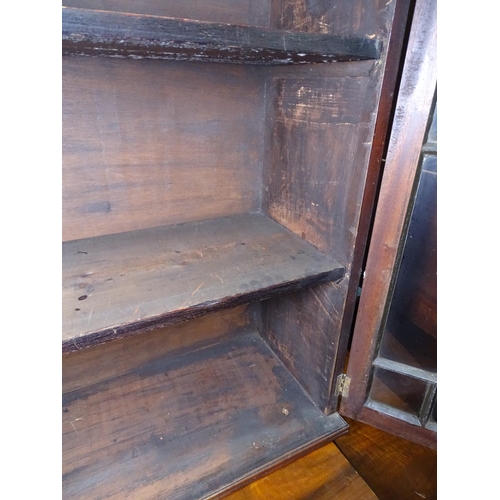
[{"x": 118, "y": 34}]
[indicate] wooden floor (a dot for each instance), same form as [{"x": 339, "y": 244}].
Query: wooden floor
[
  {"x": 367, "y": 463},
  {"x": 323, "y": 474},
  {"x": 395, "y": 469}
]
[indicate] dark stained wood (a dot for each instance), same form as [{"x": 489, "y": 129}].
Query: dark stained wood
[
  {"x": 190, "y": 424},
  {"x": 151, "y": 143},
  {"x": 392, "y": 73},
  {"x": 314, "y": 176},
  {"x": 393, "y": 467},
  {"x": 342, "y": 17},
  {"x": 410, "y": 329},
  {"x": 133, "y": 352},
  {"x": 324, "y": 474},
  {"x": 251, "y": 12},
  {"x": 118, "y": 34},
  {"x": 124, "y": 283},
  {"x": 397, "y": 189}
]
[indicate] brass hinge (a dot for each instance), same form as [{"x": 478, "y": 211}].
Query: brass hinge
[{"x": 342, "y": 385}]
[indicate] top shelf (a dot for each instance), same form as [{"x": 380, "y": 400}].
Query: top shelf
[{"x": 124, "y": 35}]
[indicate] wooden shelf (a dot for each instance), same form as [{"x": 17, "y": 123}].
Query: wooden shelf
[
  {"x": 124, "y": 283},
  {"x": 118, "y": 34},
  {"x": 184, "y": 426}
]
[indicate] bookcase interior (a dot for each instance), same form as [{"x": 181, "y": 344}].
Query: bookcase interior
[{"x": 210, "y": 215}]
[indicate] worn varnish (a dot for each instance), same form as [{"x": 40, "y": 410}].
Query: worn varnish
[
  {"x": 324, "y": 474},
  {"x": 117, "y": 34},
  {"x": 150, "y": 143},
  {"x": 190, "y": 424},
  {"x": 319, "y": 153},
  {"x": 120, "y": 284},
  {"x": 397, "y": 191},
  {"x": 247, "y": 12},
  {"x": 215, "y": 211},
  {"x": 393, "y": 467}
]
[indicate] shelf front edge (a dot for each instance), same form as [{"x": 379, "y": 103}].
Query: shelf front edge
[{"x": 124, "y": 35}]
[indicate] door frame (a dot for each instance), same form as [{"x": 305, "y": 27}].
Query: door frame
[{"x": 400, "y": 176}]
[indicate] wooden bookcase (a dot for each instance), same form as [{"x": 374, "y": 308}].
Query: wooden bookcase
[{"x": 218, "y": 160}]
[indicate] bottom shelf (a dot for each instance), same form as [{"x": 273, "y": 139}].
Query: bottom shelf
[{"x": 186, "y": 426}]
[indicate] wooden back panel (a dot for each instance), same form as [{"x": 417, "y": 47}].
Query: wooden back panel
[
  {"x": 251, "y": 12},
  {"x": 149, "y": 143}
]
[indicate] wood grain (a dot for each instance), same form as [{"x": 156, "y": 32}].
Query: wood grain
[
  {"x": 397, "y": 190},
  {"x": 129, "y": 282},
  {"x": 122, "y": 35},
  {"x": 150, "y": 143},
  {"x": 342, "y": 17},
  {"x": 393, "y": 467},
  {"x": 319, "y": 153},
  {"x": 391, "y": 76},
  {"x": 247, "y": 12},
  {"x": 133, "y": 352},
  {"x": 191, "y": 424},
  {"x": 324, "y": 474},
  {"x": 314, "y": 183}
]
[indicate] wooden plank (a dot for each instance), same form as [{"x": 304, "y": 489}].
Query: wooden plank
[
  {"x": 133, "y": 352},
  {"x": 319, "y": 155},
  {"x": 191, "y": 424},
  {"x": 150, "y": 143},
  {"x": 314, "y": 185},
  {"x": 392, "y": 466},
  {"x": 323, "y": 474},
  {"x": 121, "y": 284},
  {"x": 342, "y": 17},
  {"x": 414, "y": 105},
  {"x": 117, "y": 34},
  {"x": 250, "y": 12}
]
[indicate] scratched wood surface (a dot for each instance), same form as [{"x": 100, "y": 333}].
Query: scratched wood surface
[
  {"x": 185, "y": 424},
  {"x": 123, "y": 35},
  {"x": 124, "y": 283},
  {"x": 324, "y": 474},
  {"x": 343, "y": 17},
  {"x": 397, "y": 192},
  {"x": 319, "y": 149},
  {"x": 150, "y": 143},
  {"x": 246, "y": 12},
  {"x": 393, "y": 467},
  {"x": 314, "y": 186}
]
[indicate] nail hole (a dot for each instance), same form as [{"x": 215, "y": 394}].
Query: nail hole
[
  {"x": 83, "y": 297},
  {"x": 77, "y": 309}
]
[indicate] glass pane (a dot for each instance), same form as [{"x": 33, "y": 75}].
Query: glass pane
[
  {"x": 410, "y": 332},
  {"x": 432, "y": 134},
  {"x": 434, "y": 415},
  {"x": 397, "y": 390}
]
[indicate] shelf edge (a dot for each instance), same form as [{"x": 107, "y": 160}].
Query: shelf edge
[
  {"x": 116, "y": 34},
  {"x": 120, "y": 331}
]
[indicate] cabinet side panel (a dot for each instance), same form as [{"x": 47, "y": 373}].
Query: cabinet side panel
[
  {"x": 150, "y": 143},
  {"x": 339, "y": 17},
  {"x": 248, "y": 12},
  {"x": 314, "y": 180},
  {"x": 314, "y": 188}
]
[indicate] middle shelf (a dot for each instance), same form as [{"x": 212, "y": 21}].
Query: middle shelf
[{"x": 119, "y": 284}]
